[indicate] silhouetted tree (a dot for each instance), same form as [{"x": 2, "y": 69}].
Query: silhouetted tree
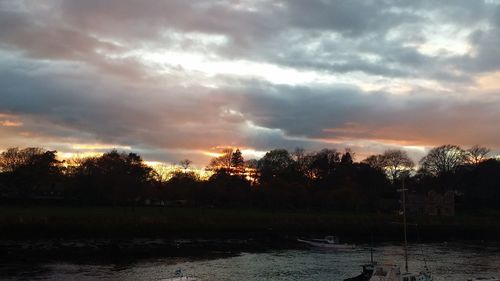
[
  {"x": 114, "y": 177},
  {"x": 443, "y": 159},
  {"x": 347, "y": 157},
  {"x": 184, "y": 188},
  {"x": 326, "y": 179},
  {"x": 303, "y": 163},
  {"x": 477, "y": 154},
  {"x": 375, "y": 161},
  {"x": 375, "y": 189},
  {"x": 482, "y": 185},
  {"x": 237, "y": 159},
  {"x": 185, "y": 164},
  {"x": 15, "y": 158},
  {"x": 229, "y": 190},
  {"x": 222, "y": 162},
  {"x": 237, "y": 163},
  {"x": 396, "y": 163},
  {"x": 323, "y": 165},
  {"x": 166, "y": 172},
  {"x": 251, "y": 170},
  {"x": 277, "y": 163},
  {"x": 31, "y": 171},
  {"x": 231, "y": 161}
]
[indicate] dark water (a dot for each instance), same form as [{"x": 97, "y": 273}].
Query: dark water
[{"x": 446, "y": 261}]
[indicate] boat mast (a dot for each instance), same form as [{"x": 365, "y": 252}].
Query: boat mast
[
  {"x": 404, "y": 223},
  {"x": 371, "y": 255},
  {"x": 371, "y": 248}
]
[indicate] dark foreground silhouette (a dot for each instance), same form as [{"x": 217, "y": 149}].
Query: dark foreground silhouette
[{"x": 324, "y": 180}]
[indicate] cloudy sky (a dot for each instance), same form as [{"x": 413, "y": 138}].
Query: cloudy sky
[{"x": 181, "y": 79}]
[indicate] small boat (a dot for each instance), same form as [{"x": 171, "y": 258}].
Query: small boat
[
  {"x": 180, "y": 276},
  {"x": 331, "y": 242},
  {"x": 390, "y": 272},
  {"x": 365, "y": 275}
]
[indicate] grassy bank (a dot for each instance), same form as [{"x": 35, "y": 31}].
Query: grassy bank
[{"x": 36, "y": 222}]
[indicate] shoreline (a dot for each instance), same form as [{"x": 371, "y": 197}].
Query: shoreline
[
  {"x": 88, "y": 234},
  {"x": 93, "y": 251}
]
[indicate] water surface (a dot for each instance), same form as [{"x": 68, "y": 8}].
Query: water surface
[{"x": 446, "y": 261}]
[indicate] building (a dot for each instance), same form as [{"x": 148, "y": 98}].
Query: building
[{"x": 431, "y": 204}]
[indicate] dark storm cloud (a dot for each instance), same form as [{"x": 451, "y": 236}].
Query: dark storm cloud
[{"x": 342, "y": 114}]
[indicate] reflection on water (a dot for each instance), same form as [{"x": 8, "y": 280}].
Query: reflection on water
[{"x": 447, "y": 262}]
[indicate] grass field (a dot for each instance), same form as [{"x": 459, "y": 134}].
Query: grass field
[{"x": 178, "y": 222}]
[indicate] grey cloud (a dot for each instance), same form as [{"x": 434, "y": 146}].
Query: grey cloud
[
  {"x": 351, "y": 18},
  {"x": 349, "y": 114},
  {"x": 162, "y": 117},
  {"x": 80, "y": 109},
  {"x": 58, "y": 72},
  {"x": 74, "y": 30}
]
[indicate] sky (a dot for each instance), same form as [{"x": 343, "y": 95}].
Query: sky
[{"x": 183, "y": 79}]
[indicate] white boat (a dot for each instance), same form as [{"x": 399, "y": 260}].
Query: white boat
[{"x": 331, "y": 242}]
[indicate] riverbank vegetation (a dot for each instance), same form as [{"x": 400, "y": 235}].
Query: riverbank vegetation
[
  {"x": 298, "y": 180},
  {"x": 206, "y": 223},
  {"x": 284, "y": 193}
]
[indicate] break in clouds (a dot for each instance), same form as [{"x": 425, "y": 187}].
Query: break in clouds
[{"x": 177, "y": 79}]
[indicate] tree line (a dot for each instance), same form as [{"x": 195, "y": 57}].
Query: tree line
[{"x": 325, "y": 179}]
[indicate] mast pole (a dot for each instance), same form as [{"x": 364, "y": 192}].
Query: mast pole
[
  {"x": 404, "y": 223},
  {"x": 371, "y": 255},
  {"x": 371, "y": 248}
]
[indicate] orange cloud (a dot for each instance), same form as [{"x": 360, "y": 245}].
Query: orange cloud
[
  {"x": 99, "y": 146},
  {"x": 9, "y": 123},
  {"x": 489, "y": 81}
]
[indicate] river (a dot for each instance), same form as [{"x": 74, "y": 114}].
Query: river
[{"x": 453, "y": 261}]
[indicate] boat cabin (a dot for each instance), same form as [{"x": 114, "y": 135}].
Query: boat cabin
[
  {"x": 386, "y": 272},
  {"x": 332, "y": 239}
]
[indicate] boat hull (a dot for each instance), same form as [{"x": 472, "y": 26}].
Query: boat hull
[
  {"x": 326, "y": 245},
  {"x": 364, "y": 276}
]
